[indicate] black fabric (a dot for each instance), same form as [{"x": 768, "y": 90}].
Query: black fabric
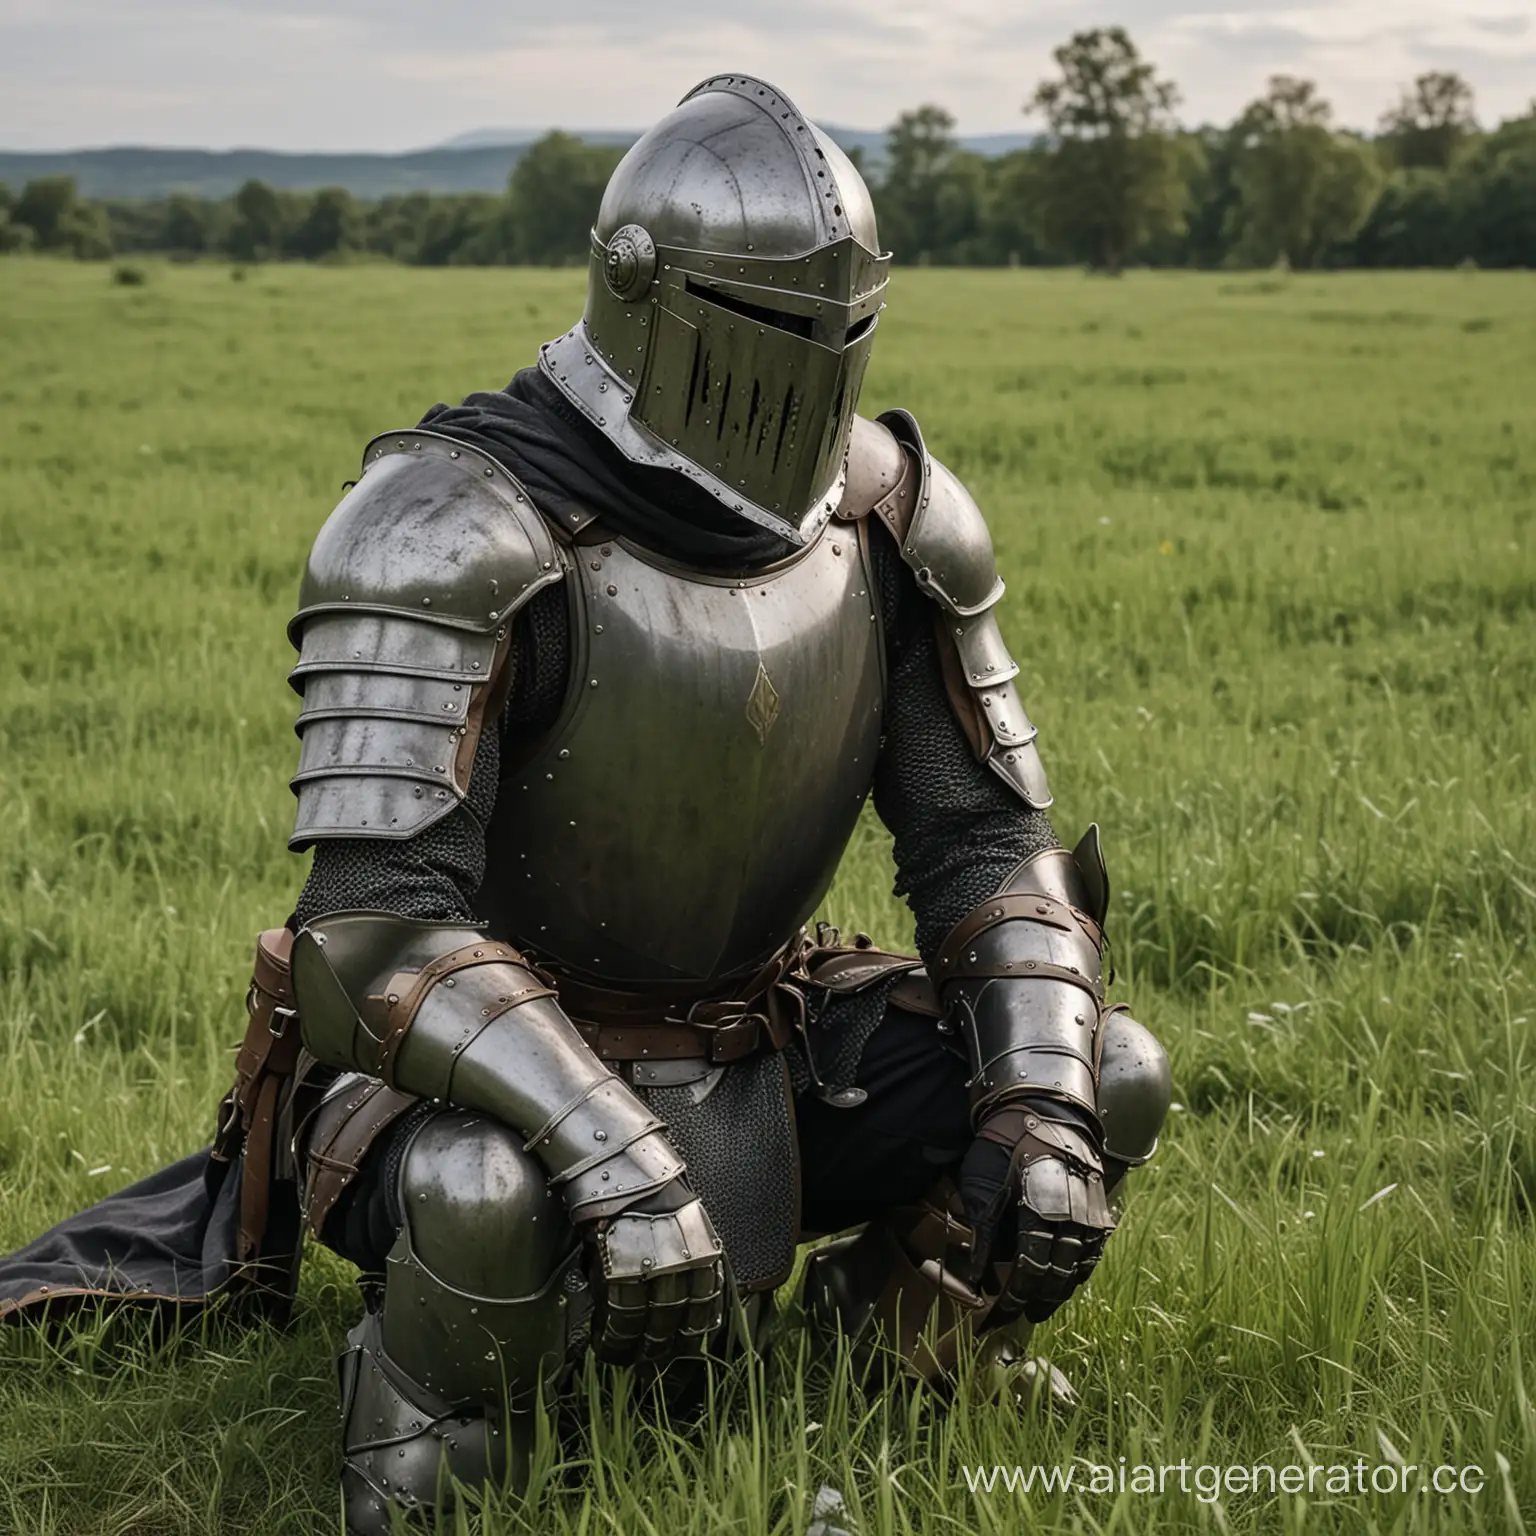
[
  {"x": 856, "y": 1164},
  {"x": 567, "y": 464},
  {"x": 169, "y": 1235}
]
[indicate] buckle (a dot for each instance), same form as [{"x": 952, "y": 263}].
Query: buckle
[
  {"x": 277, "y": 1025},
  {"x": 743, "y": 1033}
]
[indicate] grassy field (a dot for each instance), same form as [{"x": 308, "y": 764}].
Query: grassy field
[{"x": 1272, "y": 572}]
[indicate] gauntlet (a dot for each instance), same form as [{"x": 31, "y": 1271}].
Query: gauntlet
[{"x": 1021, "y": 977}]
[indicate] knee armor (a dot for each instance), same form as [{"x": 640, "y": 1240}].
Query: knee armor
[{"x": 484, "y": 1307}]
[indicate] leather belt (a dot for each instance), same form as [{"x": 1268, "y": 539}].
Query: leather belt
[
  {"x": 715, "y": 1043},
  {"x": 632, "y": 1026},
  {"x": 763, "y": 1011}
]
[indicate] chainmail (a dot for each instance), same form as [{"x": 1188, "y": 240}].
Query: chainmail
[
  {"x": 739, "y": 1145},
  {"x": 958, "y": 830}
]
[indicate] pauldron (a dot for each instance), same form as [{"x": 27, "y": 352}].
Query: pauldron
[
  {"x": 403, "y": 627},
  {"x": 943, "y": 539}
]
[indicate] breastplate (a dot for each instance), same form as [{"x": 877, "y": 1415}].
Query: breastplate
[{"x": 687, "y": 812}]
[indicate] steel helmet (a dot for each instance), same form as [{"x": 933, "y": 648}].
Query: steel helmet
[{"x": 734, "y": 289}]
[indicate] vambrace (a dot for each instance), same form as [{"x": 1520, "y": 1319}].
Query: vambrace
[
  {"x": 442, "y": 1012},
  {"x": 1021, "y": 976}
]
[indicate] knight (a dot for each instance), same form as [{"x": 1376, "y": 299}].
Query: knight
[{"x": 598, "y": 673}]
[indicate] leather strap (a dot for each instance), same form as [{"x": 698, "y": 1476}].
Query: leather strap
[
  {"x": 654, "y": 1026},
  {"x": 853, "y": 969},
  {"x": 344, "y": 1129},
  {"x": 265, "y": 1066},
  {"x": 717, "y": 1043},
  {"x": 1027, "y": 905},
  {"x": 916, "y": 994},
  {"x": 409, "y": 989}
]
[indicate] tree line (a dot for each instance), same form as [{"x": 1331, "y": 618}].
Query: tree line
[{"x": 1113, "y": 181}]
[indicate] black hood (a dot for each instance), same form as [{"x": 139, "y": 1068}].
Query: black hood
[{"x": 566, "y": 464}]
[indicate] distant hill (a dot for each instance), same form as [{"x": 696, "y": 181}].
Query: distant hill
[
  {"x": 870, "y": 140},
  {"x": 134, "y": 172},
  {"x": 521, "y": 138},
  {"x": 478, "y": 161}
]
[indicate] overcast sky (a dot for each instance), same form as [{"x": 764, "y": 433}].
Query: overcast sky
[{"x": 404, "y": 74}]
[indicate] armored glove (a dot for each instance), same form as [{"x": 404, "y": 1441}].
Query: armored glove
[
  {"x": 1021, "y": 977},
  {"x": 1033, "y": 1187},
  {"x": 659, "y": 1279}
]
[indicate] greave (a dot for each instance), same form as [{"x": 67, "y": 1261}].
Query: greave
[{"x": 484, "y": 1308}]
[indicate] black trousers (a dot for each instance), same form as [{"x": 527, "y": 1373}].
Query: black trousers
[{"x": 914, "y": 1126}]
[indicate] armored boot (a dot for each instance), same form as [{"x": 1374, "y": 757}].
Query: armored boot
[
  {"x": 484, "y": 1307},
  {"x": 893, "y": 1290}
]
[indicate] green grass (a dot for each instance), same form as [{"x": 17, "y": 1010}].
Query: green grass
[{"x": 1272, "y": 576}]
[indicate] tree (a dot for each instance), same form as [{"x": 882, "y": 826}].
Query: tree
[
  {"x": 1496, "y": 187},
  {"x": 257, "y": 231},
  {"x": 13, "y": 236},
  {"x": 394, "y": 225},
  {"x": 49, "y": 216},
  {"x": 1302, "y": 188},
  {"x": 47, "y": 206},
  {"x": 330, "y": 225},
  {"x": 186, "y": 225},
  {"x": 1211, "y": 163},
  {"x": 920, "y": 160},
  {"x": 1430, "y": 122},
  {"x": 553, "y": 196},
  {"x": 1415, "y": 222},
  {"x": 1009, "y": 233},
  {"x": 1113, "y": 176},
  {"x": 88, "y": 232}
]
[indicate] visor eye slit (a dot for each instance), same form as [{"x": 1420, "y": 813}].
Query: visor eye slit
[{"x": 796, "y": 325}]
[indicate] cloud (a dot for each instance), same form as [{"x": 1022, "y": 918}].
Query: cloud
[
  {"x": 395, "y": 74},
  {"x": 1362, "y": 53}
]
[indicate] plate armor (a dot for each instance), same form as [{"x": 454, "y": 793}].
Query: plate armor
[
  {"x": 709, "y": 718},
  {"x": 706, "y": 718},
  {"x": 639, "y": 959}
]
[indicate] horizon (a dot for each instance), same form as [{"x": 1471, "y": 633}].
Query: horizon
[
  {"x": 514, "y": 136},
  {"x": 348, "y": 77}
]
